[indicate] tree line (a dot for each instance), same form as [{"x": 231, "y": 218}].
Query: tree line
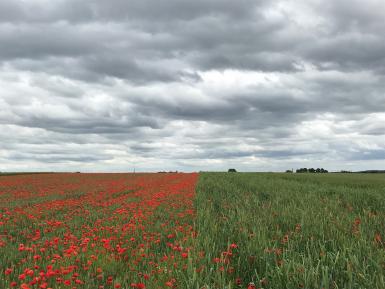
[{"x": 312, "y": 170}]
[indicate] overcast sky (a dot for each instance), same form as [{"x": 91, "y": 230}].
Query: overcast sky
[{"x": 257, "y": 85}]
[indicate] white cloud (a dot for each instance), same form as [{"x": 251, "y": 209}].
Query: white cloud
[{"x": 202, "y": 85}]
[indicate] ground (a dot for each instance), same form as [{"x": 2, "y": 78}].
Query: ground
[{"x": 208, "y": 230}]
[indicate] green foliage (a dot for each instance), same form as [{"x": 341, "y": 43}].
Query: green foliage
[
  {"x": 311, "y": 170},
  {"x": 277, "y": 230},
  {"x": 292, "y": 230}
]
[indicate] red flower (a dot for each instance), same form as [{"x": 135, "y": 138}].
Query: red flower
[
  {"x": 123, "y": 209},
  {"x": 8, "y": 271},
  {"x": 29, "y": 272},
  {"x": 22, "y": 276}
]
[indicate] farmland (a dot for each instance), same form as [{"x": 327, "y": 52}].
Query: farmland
[{"x": 208, "y": 230}]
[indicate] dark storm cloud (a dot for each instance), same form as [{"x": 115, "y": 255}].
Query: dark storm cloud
[
  {"x": 205, "y": 34},
  {"x": 41, "y": 41},
  {"x": 94, "y": 126},
  {"x": 191, "y": 83},
  {"x": 353, "y": 36},
  {"x": 224, "y": 153},
  {"x": 144, "y": 41},
  {"x": 54, "y": 158},
  {"x": 118, "y": 10},
  {"x": 348, "y": 52},
  {"x": 352, "y": 15}
]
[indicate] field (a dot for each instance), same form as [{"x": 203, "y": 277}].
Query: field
[{"x": 208, "y": 230}]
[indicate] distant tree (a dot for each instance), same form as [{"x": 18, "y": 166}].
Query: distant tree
[
  {"x": 373, "y": 172},
  {"x": 289, "y": 171},
  {"x": 311, "y": 170},
  {"x": 232, "y": 170}
]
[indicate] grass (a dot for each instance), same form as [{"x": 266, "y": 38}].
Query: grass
[
  {"x": 293, "y": 230},
  {"x": 133, "y": 230}
]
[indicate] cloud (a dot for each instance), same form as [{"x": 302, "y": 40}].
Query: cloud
[{"x": 191, "y": 85}]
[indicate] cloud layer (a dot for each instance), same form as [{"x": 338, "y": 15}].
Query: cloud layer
[{"x": 191, "y": 85}]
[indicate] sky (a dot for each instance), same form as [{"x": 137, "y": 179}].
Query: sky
[{"x": 153, "y": 85}]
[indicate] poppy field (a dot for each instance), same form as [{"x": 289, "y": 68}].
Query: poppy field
[{"x": 207, "y": 230}]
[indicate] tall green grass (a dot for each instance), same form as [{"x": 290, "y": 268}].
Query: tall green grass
[{"x": 292, "y": 230}]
